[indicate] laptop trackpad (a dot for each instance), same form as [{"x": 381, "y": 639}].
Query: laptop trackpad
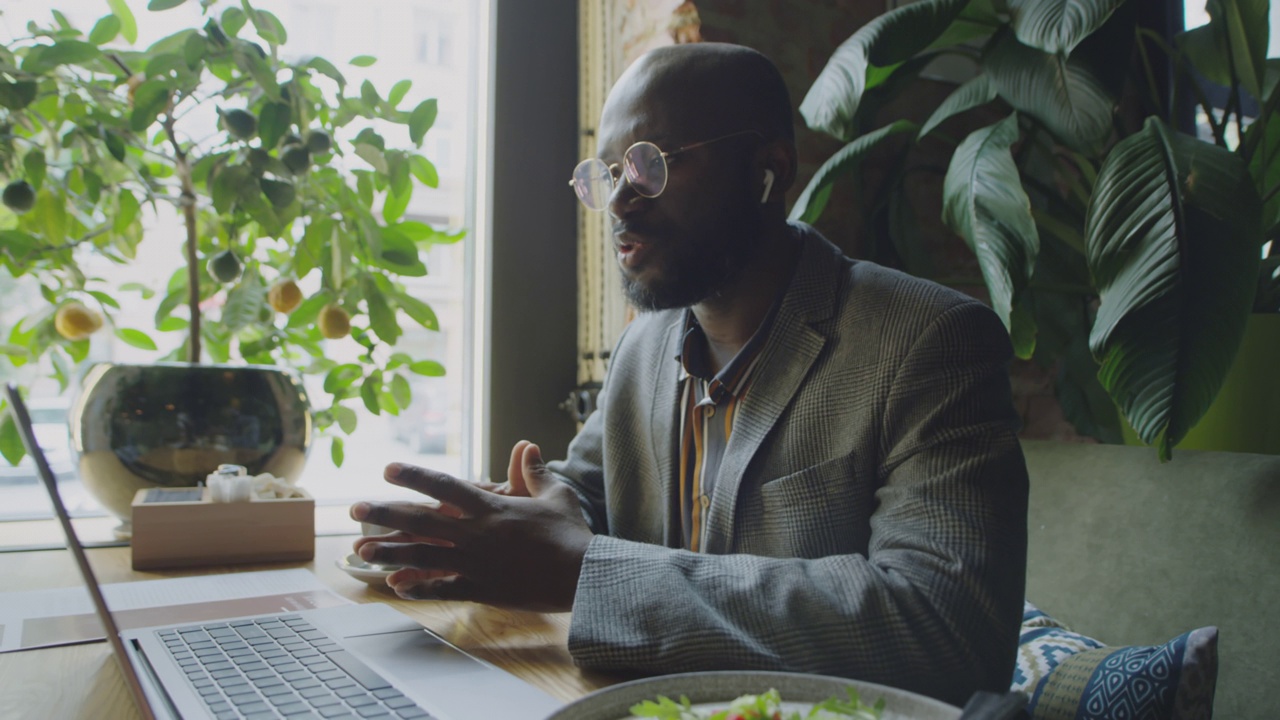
[{"x": 412, "y": 655}]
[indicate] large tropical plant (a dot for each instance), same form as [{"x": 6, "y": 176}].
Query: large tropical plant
[
  {"x": 1111, "y": 241},
  {"x": 292, "y": 207}
]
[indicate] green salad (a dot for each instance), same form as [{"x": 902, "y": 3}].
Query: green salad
[{"x": 765, "y": 706}]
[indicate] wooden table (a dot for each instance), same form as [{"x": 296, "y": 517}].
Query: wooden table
[{"x": 83, "y": 681}]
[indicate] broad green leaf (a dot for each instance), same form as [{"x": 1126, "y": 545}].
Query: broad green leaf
[
  {"x": 126, "y": 212},
  {"x": 17, "y": 95},
  {"x": 245, "y": 301},
  {"x": 983, "y": 202},
  {"x": 63, "y": 52},
  {"x": 128, "y": 25},
  {"x": 233, "y": 20},
  {"x": 157, "y": 5},
  {"x": 335, "y": 451},
  {"x": 398, "y": 91},
  {"x": 400, "y": 391},
  {"x": 1173, "y": 245},
  {"x": 424, "y": 170},
  {"x": 273, "y": 123},
  {"x": 418, "y": 310},
  {"x": 50, "y": 213},
  {"x": 10, "y": 441},
  {"x": 369, "y": 393},
  {"x": 149, "y": 100},
  {"x": 813, "y": 200},
  {"x": 34, "y": 165},
  {"x": 382, "y": 319},
  {"x": 396, "y": 252},
  {"x": 306, "y": 313},
  {"x": 395, "y": 204},
  {"x": 414, "y": 230},
  {"x": 975, "y": 92},
  {"x": 369, "y": 94},
  {"x": 324, "y": 67},
  {"x": 363, "y": 60},
  {"x": 346, "y": 418},
  {"x": 373, "y": 156},
  {"x": 341, "y": 378},
  {"x": 421, "y": 120},
  {"x": 105, "y": 30},
  {"x": 136, "y": 338},
  {"x": 1057, "y": 26},
  {"x": 114, "y": 143},
  {"x": 833, "y": 99},
  {"x": 105, "y": 299},
  {"x": 1059, "y": 92},
  {"x": 428, "y": 368}
]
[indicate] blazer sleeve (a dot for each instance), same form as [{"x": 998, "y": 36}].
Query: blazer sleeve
[{"x": 934, "y": 604}]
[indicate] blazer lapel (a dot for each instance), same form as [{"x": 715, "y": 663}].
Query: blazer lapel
[
  {"x": 792, "y": 348},
  {"x": 664, "y": 428}
]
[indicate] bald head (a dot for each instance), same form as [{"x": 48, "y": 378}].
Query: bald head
[{"x": 704, "y": 89}]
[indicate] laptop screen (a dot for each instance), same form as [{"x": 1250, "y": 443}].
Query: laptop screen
[{"x": 23, "y": 420}]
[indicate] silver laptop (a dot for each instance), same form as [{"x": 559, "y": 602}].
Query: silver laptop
[{"x": 366, "y": 660}]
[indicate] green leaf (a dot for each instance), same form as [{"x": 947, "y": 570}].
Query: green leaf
[
  {"x": 233, "y": 20},
  {"x": 983, "y": 202},
  {"x": 324, "y": 67},
  {"x": 33, "y": 164},
  {"x": 63, "y": 52},
  {"x": 833, "y": 99},
  {"x": 369, "y": 393},
  {"x": 1173, "y": 245},
  {"x": 395, "y": 204},
  {"x": 418, "y": 310},
  {"x": 975, "y": 92},
  {"x": 128, "y": 25},
  {"x": 813, "y": 200},
  {"x": 382, "y": 319},
  {"x": 127, "y": 211},
  {"x": 104, "y": 298},
  {"x": 50, "y": 213},
  {"x": 1234, "y": 40},
  {"x": 245, "y": 301},
  {"x": 424, "y": 170},
  {"x": 363, "y": 60},
  {"x": 428, "y": 368},
  {"x": 149, "y": 100},
  {"x": 105, "y": 30},
  {"x": 114, "y": 143},
  {"x": 421, "y": 120},
  {"x": 346, "y": 418},
  {"x": 341, "y": 378},
  {"x": 273, "y": 123},
  {"x": 369, "y": 94},
  {"x": 373, "y": 156},
  {"x": 398, "y": 253},
  {"x": 1061, "y": 93},
  {"x": 400, "y": 391},
  {"x": 335, "y": 451},
  {"x": 136, "y": 338},
  {"x": 17, "y": 95},
  {"x": 1057, "y": 26},
  {"x": 10, "y": 441},
  {"x": 398, "y": 91},
  {"x": 158, "y": 5}
]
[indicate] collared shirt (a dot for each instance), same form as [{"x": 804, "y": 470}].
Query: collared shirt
[{"x": 708, "y": 405}]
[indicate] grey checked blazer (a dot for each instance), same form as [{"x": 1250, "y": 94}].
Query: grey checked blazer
[{"x": 869, "y": 519}]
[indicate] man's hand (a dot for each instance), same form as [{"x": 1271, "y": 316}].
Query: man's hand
[{"x": 519, "y": 545}]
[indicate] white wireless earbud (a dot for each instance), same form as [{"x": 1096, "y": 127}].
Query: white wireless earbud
[{"x": 768, "y": 185}]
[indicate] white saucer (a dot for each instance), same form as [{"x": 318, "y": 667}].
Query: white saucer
[{"x": 374, "y": 575}]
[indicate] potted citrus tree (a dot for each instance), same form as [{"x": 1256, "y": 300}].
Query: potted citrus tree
[
  {"x": 284, "y": 252},
  {"x": 1110, "y": 240}
]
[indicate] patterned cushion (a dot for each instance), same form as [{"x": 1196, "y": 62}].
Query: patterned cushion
[{"x": 1068, "y": 676}]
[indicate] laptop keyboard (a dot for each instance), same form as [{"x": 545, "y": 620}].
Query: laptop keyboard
[{"x": 281, "y": 667}]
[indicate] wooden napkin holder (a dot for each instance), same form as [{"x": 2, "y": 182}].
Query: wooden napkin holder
[{"x": 182, "y": 527}]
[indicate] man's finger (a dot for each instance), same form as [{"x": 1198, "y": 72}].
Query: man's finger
[
  {"x": 451, "y": 587},
  {"x": 445, "y": 488},
  {"x": 414, "y": 555},
  {"x": 515, "y": 471},
  {"x": 412, "y": 518},
  {"x": 535, "y": 471}
]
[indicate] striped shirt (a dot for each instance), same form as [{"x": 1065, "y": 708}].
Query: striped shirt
[{"x": 708, "y": 405}]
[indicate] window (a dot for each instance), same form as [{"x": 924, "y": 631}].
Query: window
[
  {"x": 437, "y": 429},
  {"x": 1195, "y": 14}
]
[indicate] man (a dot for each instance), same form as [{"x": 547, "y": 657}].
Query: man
[{"x": 799, "y": 461}]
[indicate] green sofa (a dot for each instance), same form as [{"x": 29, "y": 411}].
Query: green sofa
[{"x": 1131, "y": 551}]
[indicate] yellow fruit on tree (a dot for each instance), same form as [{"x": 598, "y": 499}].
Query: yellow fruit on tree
[
  {"x": 284, "y": 296},
  {"x": 334, "y": 322},
  {"x": 74, "y": 321}
]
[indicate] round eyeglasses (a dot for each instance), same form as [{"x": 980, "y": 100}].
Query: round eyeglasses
[{"x": 643, "y": 164}]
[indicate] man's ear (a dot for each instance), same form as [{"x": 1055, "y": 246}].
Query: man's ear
[{"x": 778, "y": 157}]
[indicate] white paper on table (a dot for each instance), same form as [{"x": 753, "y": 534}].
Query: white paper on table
[{"x": 41, "y": 618}]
